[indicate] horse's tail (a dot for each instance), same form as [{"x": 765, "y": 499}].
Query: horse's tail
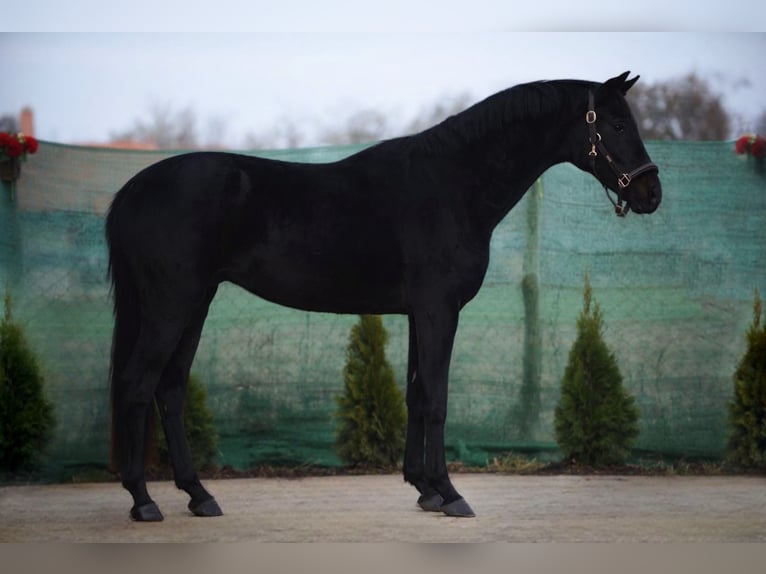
[{"x": 127, "y": 324}]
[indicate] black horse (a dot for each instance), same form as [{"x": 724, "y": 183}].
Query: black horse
[{"x": 401, "y": 227}]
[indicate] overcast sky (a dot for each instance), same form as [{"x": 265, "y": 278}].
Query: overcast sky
[{"x": 298, "y": 63}]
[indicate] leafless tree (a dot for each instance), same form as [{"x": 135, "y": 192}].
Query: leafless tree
[
  {"x": 681, "y": 109},
  {"x": 430, "y": 116},
  {"x": 164, "y": 127},
  {"x": 171, "y": 129},
  {"x": 361, "y": 127},
  {"x": 372, "y": 125},
  {"x": 286, "y": 134}
]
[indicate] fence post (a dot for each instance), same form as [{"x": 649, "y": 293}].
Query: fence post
[
  {"x": 528, "y": 410},
  {"x": 10, "y": 238}
]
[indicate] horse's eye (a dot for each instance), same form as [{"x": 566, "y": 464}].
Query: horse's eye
[{"x": 619, "y": 127}]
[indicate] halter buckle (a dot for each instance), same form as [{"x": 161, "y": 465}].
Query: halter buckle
[
  {"x": 590, "y": 117},
  {"x": 624, "y": 180}
]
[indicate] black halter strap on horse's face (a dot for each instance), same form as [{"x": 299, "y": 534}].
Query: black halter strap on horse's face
[{"x": 624, "y": 178}]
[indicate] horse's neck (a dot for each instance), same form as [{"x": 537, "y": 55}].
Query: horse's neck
[
  {"x": 510, "y": 166},
  {"x": 507, "y": 141}
]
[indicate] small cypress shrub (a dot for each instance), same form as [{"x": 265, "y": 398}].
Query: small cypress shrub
[
  {"x": 26, "y": 416},
  {"x": 747, "y": 409},
  {"x": 371, "y": 413},
  {"x": 198, "y": 423},
  {"x": 596, "y": 419}
]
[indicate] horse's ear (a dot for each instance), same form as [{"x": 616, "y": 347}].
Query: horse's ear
[
  {"x": 619, "y": 83},
  {"x": 629, "y": 84}
]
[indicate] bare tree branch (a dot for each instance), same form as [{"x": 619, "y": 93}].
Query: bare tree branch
[{"x": 682, "y": 109}]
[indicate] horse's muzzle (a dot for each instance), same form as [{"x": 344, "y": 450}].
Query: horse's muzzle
[{"x": 645, "y": 193}]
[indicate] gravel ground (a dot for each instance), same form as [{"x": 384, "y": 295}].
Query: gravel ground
[{"x": 382, "y": 509}]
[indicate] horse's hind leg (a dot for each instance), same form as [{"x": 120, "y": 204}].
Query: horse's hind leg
[
  {"x": 133, "y": 400},
  {"x": 171, "y": 394}
]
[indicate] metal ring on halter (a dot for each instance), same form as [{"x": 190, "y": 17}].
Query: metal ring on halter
[{"x": 623, "y": 181}]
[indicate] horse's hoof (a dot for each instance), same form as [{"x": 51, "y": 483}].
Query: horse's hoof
[
  {"x": 458, "y": 508},
  {"x": 207, "y": 507},
  {"x": 431, "y": 502},
  {"x": 148, "y": 512}
]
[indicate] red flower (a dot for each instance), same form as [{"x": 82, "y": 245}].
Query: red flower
[
  {"x": 757, "y": 149},
  {"x": 742, "y": 145},
  {"x": 14, "y": 148},
  {"x": 31, "y": 144},
  {"x": 17, "y": 145}
]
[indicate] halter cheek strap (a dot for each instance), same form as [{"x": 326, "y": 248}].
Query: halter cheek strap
[{"x": 624, "y": 178}]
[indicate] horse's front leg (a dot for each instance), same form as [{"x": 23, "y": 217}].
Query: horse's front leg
[
  {"x": 435, "y": 336},
  {"x": 414, "y": 450}
]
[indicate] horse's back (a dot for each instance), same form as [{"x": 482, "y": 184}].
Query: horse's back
[{"x": 313, "y": 236}]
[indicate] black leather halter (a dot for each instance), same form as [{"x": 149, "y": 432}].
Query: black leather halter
[{"x": 624, "y": 178}]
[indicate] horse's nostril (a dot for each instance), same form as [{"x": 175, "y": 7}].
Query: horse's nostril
[{"x": 656, "y": 193}]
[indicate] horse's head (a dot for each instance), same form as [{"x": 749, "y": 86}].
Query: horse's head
[{"x": 613, "y": 151}]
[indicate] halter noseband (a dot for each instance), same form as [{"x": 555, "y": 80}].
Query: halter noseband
[{"x": 624, "y": 178}]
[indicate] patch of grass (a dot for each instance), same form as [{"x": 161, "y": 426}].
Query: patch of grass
[
  {"x": 511, "y": 463},
  {"x": 515, "y": 463},
  {"x": 93, "y": 474}
]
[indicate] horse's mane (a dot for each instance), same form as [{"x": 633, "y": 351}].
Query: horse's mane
[{"x": 514, "y": 106}]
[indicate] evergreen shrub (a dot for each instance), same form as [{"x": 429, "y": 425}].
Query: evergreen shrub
[
  {"x": 371, "y": 413},
  {"x": 747, "y": 409},
  {"x": 596, "y": 419},
  {"x": 26, "y": 416}
]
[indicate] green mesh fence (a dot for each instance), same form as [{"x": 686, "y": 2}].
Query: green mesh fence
[{"x": 676, "y": 288}]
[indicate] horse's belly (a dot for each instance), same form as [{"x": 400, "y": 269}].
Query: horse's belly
[{"x": 323, "y": 286}]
